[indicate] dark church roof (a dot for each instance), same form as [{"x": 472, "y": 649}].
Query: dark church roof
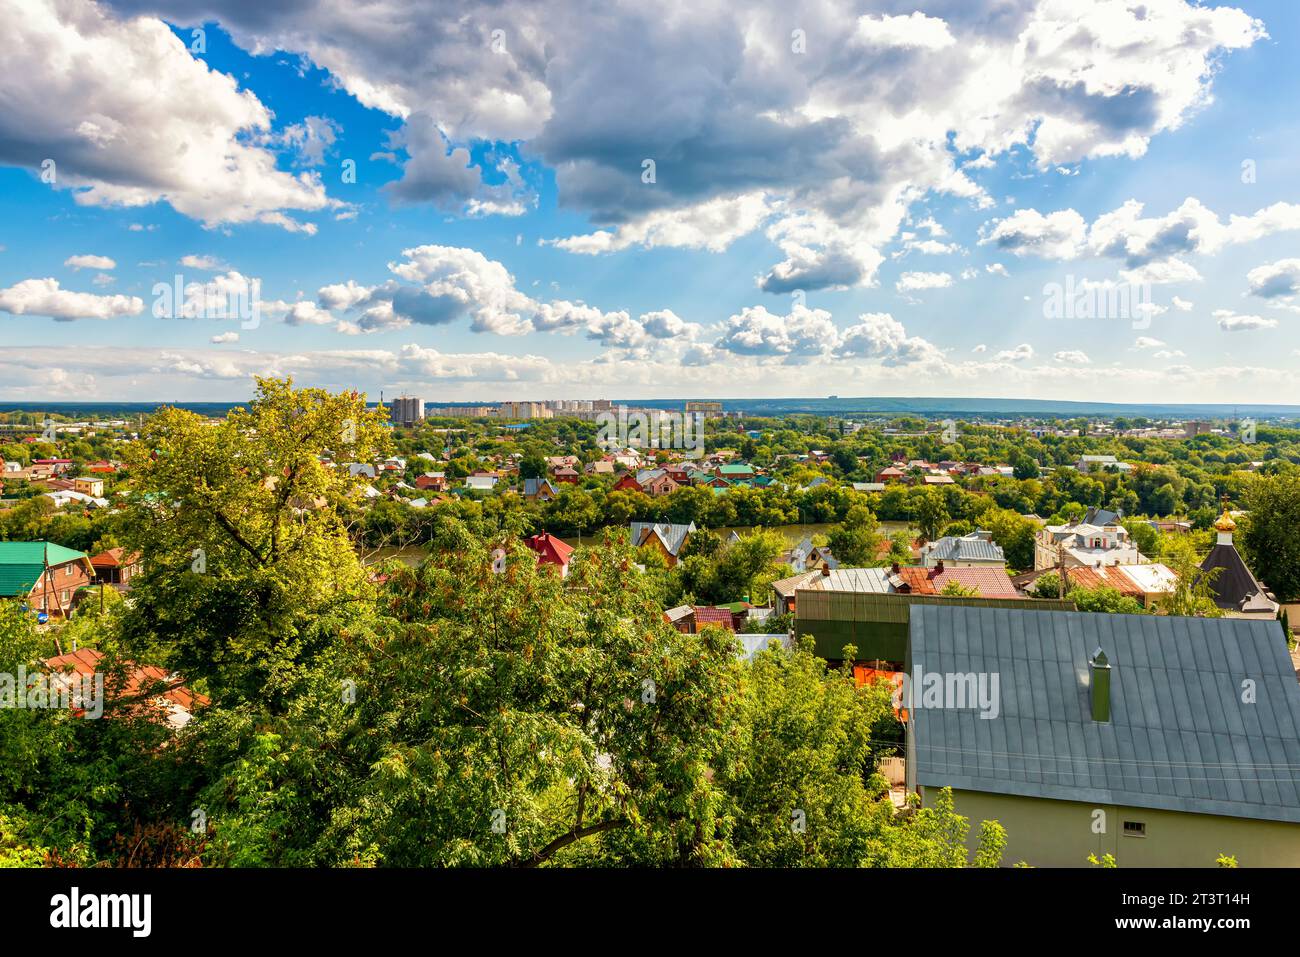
[{"x": 1235, "y": 588}]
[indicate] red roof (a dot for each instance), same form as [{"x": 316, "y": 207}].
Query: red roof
[
  {"x": 1112, "y": 577},
  {"x": 550, "y": 550},
  {"x": 705, "y": 615},
  {"x": 988, "y": 582},
  {"x": 85, "y": 661},
  {"x": 113, "y": 558}
]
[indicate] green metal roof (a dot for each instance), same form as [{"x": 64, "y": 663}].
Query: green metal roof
[{"x": 21, "y": 564}]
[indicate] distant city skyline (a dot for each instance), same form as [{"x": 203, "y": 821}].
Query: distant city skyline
[{"x": 496, "y": 202}]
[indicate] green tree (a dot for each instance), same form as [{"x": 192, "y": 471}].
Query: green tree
[
  {"x": 854, "y": 542},
  {"x": 243, "y": 534},
  {"x": 1268, "y": 540}
]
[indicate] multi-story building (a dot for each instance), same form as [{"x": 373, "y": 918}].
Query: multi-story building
[{"x": 406, "y": 410}]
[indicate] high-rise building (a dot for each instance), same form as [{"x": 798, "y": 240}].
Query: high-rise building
[
  {"x": 406, "y": 410},
  {"x": 709, "y": 409}
]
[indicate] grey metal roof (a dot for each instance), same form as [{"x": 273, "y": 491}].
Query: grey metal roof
[
  {"x": 863, "y": 580},
  {"x": 1180, "y": 737},
  {"x": 673, "y": 536},
  {"x": 968, "y": 548}
]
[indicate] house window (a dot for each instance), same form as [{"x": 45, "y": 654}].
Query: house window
[
  {"x": 64, "y": 597},
  {"x": 1135, "y": 829},
  {"x": 67, "y": 570}
]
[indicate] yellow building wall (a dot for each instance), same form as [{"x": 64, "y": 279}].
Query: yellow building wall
[{"x": 1048, "y": 833}]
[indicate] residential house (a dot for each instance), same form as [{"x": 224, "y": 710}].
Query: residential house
[
  {"x": 967, "y": 551},
  {"x": 656, "y": 482},
  {"x": 169, "y": 700},
  {"x": 890, "y": 473},
  {"x": 116, "y": 567},
  {"x": 783, "y": 590},
  {"x": 566, "y": 474},
  {"x": 1119, "y": 735},
  {"x": 43, "y": 575},
  {"x": 600, "y": 467},
  {"x": 666, "y": 538},
  {"x": 55, "y": 466},
  {"x": 551, "y": 551},
  {"x": 65, "y": 497},
  {"x": 1236, "y": 590},
  {"x": 431, "y": 482},
  {"x": 869, "y": 608},
  {"x": 1082, "y": 544},
  {"x": 626, "y": 483},
  {"x": 481, "y": 483},
  {"x": 868, "y": 486},
  {"x": 94, "y": 487},
  {"x": 981, "y": 581},
  {"x": 539, "y": 490},
  {"x": 1100, "y": 463}
]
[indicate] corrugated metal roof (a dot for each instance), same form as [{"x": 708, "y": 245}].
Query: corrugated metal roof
[
  {"x": 22, "y": 563},
  {"x": 966, "y": 549},
  {"x": 1180, "y": 737},
  {"x": 868, "y": 580}
]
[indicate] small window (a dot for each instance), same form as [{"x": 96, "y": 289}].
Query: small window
[{"x": 1135, "y": 829}]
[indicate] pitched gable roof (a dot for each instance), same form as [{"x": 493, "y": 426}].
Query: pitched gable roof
[{"x": 1179, "y": 738}]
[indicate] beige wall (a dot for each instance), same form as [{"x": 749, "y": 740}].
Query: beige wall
[{"x": 1049, "y": 833}]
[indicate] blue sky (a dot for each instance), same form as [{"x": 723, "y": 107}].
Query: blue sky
[{"x": 919, "y": 173}]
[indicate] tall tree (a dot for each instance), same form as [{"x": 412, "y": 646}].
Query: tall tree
[
  {"x": 242, "y": 529},
  {"x": 1269, "y": 541}
]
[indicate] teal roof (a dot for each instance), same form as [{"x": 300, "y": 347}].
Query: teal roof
[
  {"x": 736, "y": 470},
  {"x": 21, "y": 564}
]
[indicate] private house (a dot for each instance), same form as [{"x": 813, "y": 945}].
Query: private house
[
  {"x": 566, "y": 474},
  {"x": 1126, "y": 735},
  {"x": 666, "y": 538},
  {"x": 102, "y": 467},
  {"x": 1100, "y": 463},
  {"x": 1235, "y": 588},
  {"x": 783, "y": 590},
  {"x": 93, "y": 487},
  {"x": 735, "y": 472},
  {"x": 64, "y": 497},
  {"x": 868, "y": 486},
  {"x": 481, "y": 483},
  {"x": 656, "y": 482},
  {"x": 554, "y": 462},
  {"x": 982, "y": 581},
  {"x": 1086, "y": 545},
  {"x": 626, "y": 483},
  {"x": 600, "y": 467},
  {"x": 54, "y": 466},
  {"x": 43, "y": 575},
  {"x": 115, "y": 567},
  {"x": 551, "y": 551},
  {"x": 1148, "y": 584},
  {"x": 869, "y": 608},
  {"x": 539, "y": 490},
  {"x": 431, "y": 482},
  {"x": 696, "y": 617},
  {"x": 169, "y": 701},
  {"x": 976, "y": 550},
  {"x": 891, "y": 473}
]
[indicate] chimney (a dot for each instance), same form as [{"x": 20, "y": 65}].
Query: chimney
[
  {"x": 826, "y": 571},
  {"x": 1099, "y": 665},
  {"x": 938, "y": 567},
  {"x": 894, "y": 569}
]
